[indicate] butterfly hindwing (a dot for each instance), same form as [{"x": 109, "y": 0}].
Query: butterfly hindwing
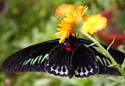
[
  {"x": 80, "y": 62},
  {"x": 104, "y": 62},
  {"x": 58, "y": 62},
  {"x": 84, "y": 62},
  {"x": 31, "y": 58}
]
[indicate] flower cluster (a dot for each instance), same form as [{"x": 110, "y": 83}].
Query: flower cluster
[{"x": 72, "y": 16}]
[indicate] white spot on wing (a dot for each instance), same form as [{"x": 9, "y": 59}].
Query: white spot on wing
[
  {"x": 76, "y": 71},
  {"x": 61, "y": 72},
  {"x": 86, "y": 73},
  {"x": 47, "y": 64},
  {"x": 81, "y": 73},
  {"x": 96, "y": 66},
  {"x": 91, "y": 69},
  {"x": 66, "y": 70},
  {"x": 52, "y": 69},
  {"x": 56, "y": 70}
]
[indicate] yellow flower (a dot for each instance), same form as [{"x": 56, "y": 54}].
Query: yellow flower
[{"x": 94, "y": 23}]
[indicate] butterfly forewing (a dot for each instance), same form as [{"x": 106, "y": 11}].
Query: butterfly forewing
[{"x": 31, "y": 58}]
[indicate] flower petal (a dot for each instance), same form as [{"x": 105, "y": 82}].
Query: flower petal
[
  {"x": 94, "y": 23},
  {"x": 81, "y": 10},
  {"x": 64, "y": 9}
]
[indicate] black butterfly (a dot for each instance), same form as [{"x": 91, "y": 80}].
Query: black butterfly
[{"x": 71, "y": 58}]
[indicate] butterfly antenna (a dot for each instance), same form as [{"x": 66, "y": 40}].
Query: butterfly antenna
[{"x": 111, "y": 43}]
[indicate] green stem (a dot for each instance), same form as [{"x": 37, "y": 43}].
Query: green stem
[{"x": 105, "y": 52}]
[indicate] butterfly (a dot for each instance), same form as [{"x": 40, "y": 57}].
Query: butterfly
[{"x": 70, "y": 59}]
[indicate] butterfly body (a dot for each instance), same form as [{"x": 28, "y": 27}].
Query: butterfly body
[{"x": 71, "y": 58}]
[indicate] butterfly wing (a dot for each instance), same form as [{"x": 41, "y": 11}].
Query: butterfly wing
[
  {"x": 85, "y": 41},
  {"x": 103, "y": 61},
  {"x": 84, "y": 62},
  {"x": 58, "y": 62},
  {"x": 117, "y": 55},
  {"x": 31, "y": 58},
  {"x": 80, "y": 62}
]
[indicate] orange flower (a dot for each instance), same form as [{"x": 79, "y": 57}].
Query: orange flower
[
  {"x": 73, "y": 20},
  {"x": 71, "y": 17},
  {"x": 81, "y": 10},
  {"x": 64, "y": 9},
  {"x": 74, "y": 16},
  {"x": 64, "y": 30}
]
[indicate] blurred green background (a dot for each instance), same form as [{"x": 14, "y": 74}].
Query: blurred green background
[{"x": 26, "y": 22}]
